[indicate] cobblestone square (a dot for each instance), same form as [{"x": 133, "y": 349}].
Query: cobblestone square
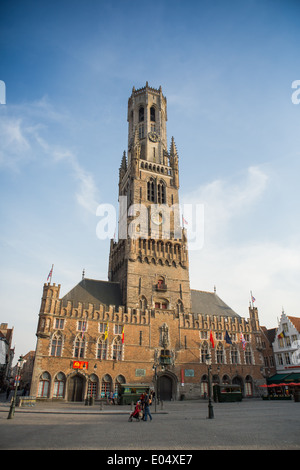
[{"x": 249, "y": 425}]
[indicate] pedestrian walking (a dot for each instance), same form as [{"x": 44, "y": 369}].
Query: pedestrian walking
[{"x": 147, "y": 408}]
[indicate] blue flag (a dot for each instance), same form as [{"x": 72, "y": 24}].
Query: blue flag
[{"x": 227, "y": 338}]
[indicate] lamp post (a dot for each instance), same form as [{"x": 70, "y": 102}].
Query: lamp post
[
  {"x": 210, "y": 406},
  {"x": 17, "y": 380},
  {"x": 154, "y": 368}
]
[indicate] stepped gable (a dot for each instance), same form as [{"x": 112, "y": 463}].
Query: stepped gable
[
  {"x": 209, "y": 303},
  {"x": 94, "y": 292}
]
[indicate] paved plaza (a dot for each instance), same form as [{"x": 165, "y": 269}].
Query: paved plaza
[{"x": 252, "y": 424}]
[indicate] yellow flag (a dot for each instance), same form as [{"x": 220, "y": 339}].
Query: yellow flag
[{"x": 106, "y": 332}]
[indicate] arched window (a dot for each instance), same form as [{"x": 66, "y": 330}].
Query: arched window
[
  {"x": 248, "y": 355},
  {"x": 150, "y": 191},
  {"x": 143, "y": 303},
  {"x": 59, "y": 385},
  {"x": 79, "y": 347},
  {"x": 248, "y": 386},
  {"x": 152, "y": 114},
  {"x": 102, "y": 348},
  {"x": 161, "y": 193},
  {"x": 220, "y": 354},
  {"x": 44, "y": 383},
  {"x": 225, "y": 379},
  {"x": 56, "y": 345},
  {"x": 203, "y": 352},
  {"x": 180, "y": 308},
  {"x": 106, "y": 386},
  {"x": 118, "y": 383},
  {"x": 141, "y": 114},
  {"x": 93, "y": 386},
  {"x": 234, "y": 354},
  {"x": 117, "y": 349}
]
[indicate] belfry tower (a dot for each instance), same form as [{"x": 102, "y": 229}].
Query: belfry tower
[{"x": 150, "y": 258}]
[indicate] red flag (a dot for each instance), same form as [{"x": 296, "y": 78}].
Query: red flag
[
  {"x": 211, "y": 339},
  {"x": 123, "y": 335}
]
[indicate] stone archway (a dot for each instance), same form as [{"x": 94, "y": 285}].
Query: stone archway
[
  {"x": 237, "y": 380},
  {"x": 76, "y": 388},
  {"x": 166, "y": 386}
]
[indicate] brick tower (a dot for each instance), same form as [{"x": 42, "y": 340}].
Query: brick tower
[{"x": 150, "y": 258}]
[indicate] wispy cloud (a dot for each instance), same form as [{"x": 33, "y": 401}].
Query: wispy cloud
[
  {"x": 240, "y": 264},
  {"x": 225, "y": 200},
  {"x": 22, "y": 140}
]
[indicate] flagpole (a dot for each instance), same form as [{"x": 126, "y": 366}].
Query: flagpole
[{"x": 50, "y": 274}]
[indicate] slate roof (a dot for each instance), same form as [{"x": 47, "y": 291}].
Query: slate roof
[
  {"x": 94, "y": 292},
  {"x": 269, "y": 334},
  {"x": 209, "y": 303}
]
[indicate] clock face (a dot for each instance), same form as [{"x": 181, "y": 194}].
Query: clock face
[
  {"x": 156, "y": 218},
  {"x": 153, "y": 136}
]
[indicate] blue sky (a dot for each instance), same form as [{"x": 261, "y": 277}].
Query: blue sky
[{"x": 226, "y": 69}]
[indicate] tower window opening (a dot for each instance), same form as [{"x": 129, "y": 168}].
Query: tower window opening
[
  {"x": 141, "y": 132},
  {"x": 141, "y": 114},
  {"x": 150, "y": 191},
  {"x": 152, "y": 114},
  {"x": 161, "y": 193}
]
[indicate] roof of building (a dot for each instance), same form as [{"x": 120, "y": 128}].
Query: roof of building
[
  {"x": 95, "y": 292},
  {"x": 209, "y": 303},
  {"x": 269, "y": 333},
  {"x": 295, "y": 321}
]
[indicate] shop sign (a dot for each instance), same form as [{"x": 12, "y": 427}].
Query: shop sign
[{"x": 80, "y": 365}]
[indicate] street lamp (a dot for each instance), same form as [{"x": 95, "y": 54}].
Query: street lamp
[
  {"x": 154, "y": 368},
  {"x": 17, "y": 380},
  {"x": 210, "y": 407}
]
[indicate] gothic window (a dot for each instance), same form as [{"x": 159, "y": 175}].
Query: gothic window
[
  {"x": 44, "y": 382},
  {"x": 59, "y": 385},
  {"x": 161, "y": 193},
  {"x": 141, "y": 114},
  {"x": 56, "y": 344},
  {"x": 248, "y": 386},
  {"x": 106, "y": 386},
  {"x": 93, "y": 386},
  {"x": 118, "y": 383},
  {"x": 59, "y": 323},
  {"x": 82, "y": 325},
  {"x": 102, "y": 349},
  {"x": 141, "y": 132},
  {"x": 79, "y": 347},
  {"x": 248, "y": 355},
  {"x": 118, "y": 329},
  {"x": 234, "y": 354},
  {"x": 220, "y": 354},
  {"x": 180, "y": 307},
  {"x": 152, "y": 114},
  {"x": 150, "y": 191},
  {"x": 117, "y": 349},
  {"x": 143, "y": 303}
]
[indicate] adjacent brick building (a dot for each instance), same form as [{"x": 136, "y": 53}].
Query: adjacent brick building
[{"x": 145, "y": 324}]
